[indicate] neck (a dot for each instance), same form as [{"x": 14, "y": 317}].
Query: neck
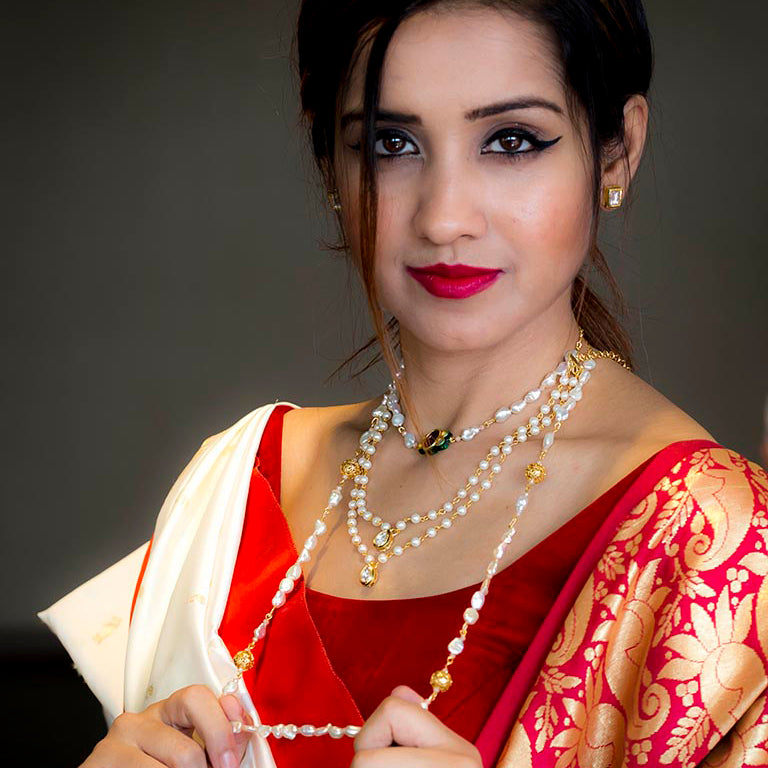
[{"x": 456, "y": 389}]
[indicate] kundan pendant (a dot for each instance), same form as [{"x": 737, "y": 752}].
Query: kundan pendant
[
  {"x": 434, "y": 442},
  {"x": 369, "y": 575},
  {"x": 383, "y": 539}
]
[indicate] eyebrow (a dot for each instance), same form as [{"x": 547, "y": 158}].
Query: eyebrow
[
  {"x": 510, "y": 106},
  {"x": 382, "y": 116},
  {"x": 474, "y": 114}
]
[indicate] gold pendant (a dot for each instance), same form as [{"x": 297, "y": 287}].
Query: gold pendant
[
  {"x": 575, "y": 368},
  {"x": 535, "y": 472},
  {"x": 243, "y": 660},
  {"x": 369, "y": 575},
  {"x": 350, "y": 468},
  {"x": 441, "y": 680},
  {"x": 383, "y": 539}
]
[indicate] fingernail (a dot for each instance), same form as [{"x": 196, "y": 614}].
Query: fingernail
[{"x": 228, "y": 760}]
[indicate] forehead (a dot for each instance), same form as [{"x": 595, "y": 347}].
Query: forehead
[{"x": 464, "y": 57}]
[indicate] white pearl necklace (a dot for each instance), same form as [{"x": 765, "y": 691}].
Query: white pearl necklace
[
  {"x": 384, "y": 545},
  {"x": 440, "y": 439},
  {"x": 441, "y": 679}
]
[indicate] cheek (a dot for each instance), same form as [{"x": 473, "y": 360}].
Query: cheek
[
  {"x": 396, "y": 243},
  {"x": 549, "y": 223},
  {"x": 393, "y": 218},
  {"x": 390, "y": 215}
]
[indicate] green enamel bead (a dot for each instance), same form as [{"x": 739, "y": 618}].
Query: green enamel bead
[{"x": 437, "y": 440}]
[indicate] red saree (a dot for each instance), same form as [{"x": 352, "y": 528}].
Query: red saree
[{"x": 660, "y": 657}]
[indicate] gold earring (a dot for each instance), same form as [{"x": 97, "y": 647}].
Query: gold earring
[
  {"x": 613, "y": 197},
  {"x": 333, "y": 200}
]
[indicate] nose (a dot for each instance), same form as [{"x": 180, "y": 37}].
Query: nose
[{"x": 450, "y": 205}]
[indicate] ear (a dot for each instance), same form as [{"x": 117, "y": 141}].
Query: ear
[{"x": 620, "y": 166}]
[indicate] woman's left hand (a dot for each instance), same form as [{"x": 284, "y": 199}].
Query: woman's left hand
[{"x": 400, "y": 734}]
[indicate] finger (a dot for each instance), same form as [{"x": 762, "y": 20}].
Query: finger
[
  {"x": 197, "y": 707},
  {"x": 110, "y": 753},
  {"x": 235, "y": 712},
  {"x": 407, "y": 694},
  {"x": 405, "y": 723},
  {"x": 408, "y": 757},
  {"x": 160, "y": 742}
]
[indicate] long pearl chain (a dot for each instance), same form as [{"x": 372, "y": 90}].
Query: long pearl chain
[{"x": 578, "y": 364}]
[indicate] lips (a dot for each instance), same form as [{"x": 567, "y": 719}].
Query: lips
[{"x": 454, "y": 281}]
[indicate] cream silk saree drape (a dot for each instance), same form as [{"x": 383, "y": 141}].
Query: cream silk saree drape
[{"x": 654, "y": 654}]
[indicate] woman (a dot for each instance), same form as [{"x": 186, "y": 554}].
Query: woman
[{"x": 467, "y": 147}]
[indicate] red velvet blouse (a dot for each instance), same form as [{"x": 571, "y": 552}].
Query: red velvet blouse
[{"x": 334, "y": 659}]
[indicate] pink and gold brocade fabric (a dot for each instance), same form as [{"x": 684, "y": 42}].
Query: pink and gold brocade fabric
[{"x": 663, "y": 658}]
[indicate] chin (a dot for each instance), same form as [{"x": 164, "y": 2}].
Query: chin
[{"x": 454, "y": 333}]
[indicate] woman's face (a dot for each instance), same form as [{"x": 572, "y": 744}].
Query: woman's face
[{"x": 479, "y": 166}]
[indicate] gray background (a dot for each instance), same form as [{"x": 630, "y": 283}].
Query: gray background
[{"x": 161, "y": 273}]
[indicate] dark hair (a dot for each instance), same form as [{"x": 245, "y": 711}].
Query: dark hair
[{"x": 606, "y": 55}]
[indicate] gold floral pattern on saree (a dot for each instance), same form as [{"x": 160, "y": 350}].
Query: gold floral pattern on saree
[
  {"x": 747, "y": 742},
  {"x": 663, "y": 657}
]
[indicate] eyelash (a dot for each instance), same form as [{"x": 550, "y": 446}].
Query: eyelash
[{"x": 537, "y": 144}]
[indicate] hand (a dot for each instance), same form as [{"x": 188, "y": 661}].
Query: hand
[
  {"x": 400, "y": 734},
  {"x": 161, "y": 735}
]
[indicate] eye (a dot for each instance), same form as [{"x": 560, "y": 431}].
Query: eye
[
  {"x": 515, "y": 141},
  {"x": 392, "y": 143}
]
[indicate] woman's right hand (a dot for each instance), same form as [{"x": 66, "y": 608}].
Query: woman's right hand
[{"x": 161, "y": 735}]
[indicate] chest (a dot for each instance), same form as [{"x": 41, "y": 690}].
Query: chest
[{"x": 414, "y": 490}]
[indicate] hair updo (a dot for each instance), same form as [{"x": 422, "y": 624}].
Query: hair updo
[{"x": 606, "y": 56}]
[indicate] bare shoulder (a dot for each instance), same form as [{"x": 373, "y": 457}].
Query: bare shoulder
[
  {"x": 633, "y": 412},
  {"x": 625, "y": 422},
  {"x": 314, "y": 439},
  {"x": 318, "y": 423},
  {"x": 720, "y": 480}
]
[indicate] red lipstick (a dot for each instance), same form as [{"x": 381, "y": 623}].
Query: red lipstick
[{"x": 454, "y": 281}]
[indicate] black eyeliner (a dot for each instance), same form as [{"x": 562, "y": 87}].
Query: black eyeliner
[{"x": 537, "y": 143}]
